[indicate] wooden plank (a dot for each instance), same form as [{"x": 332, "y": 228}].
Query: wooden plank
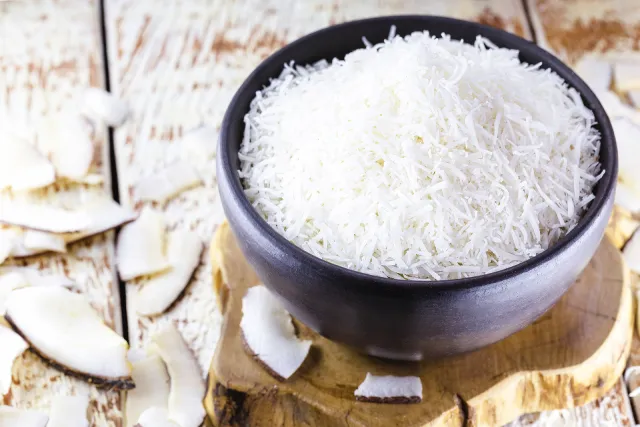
[
  {"x": 49, "y": 51},
  {"x": 574, "y": 28},
  {"x": 571, "y": 30},
  {"x": 178, "y": 63}
]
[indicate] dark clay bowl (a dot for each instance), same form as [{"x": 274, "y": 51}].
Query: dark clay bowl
[{"x": 407, "y": 319}]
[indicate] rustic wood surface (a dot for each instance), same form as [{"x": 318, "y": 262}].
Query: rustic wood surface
[
  {"x": 178, "y": 62},
  {"x": 49, "y": 52},
  {"x": 572, "y": 355}
]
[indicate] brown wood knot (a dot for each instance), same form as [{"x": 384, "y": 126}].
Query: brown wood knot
[{"x": 228, "y": 406}]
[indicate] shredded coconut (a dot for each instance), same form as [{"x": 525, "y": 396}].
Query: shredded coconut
[{"x": 420, "y": 158}]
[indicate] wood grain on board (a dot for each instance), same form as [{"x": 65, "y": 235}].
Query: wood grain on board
[
  {"x": 570, "y": 356},
  {"x": 49, "y": 52},
  {"x": 178, "y": 63}
]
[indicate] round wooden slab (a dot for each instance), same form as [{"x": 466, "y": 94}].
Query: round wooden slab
[{"x": 571, "y": 355}]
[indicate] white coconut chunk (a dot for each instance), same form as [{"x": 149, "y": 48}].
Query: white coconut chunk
[
  {"x": 595, "y": 72},
  {"x": 69, "y": 411},
  {"x": 42, "y": 217},
  {"x": 101, "y": 105},
  {"x": 156, "y": 417},
  {"x": 13, "y": 417},
  {"x": 389, "y": 389},
  {"x": 152, "y": 387},
  {"x": 269, "y": 333},
  {"x": 66, "y": 140},
  {"x": 626, "y": 75},
  {"x": 187, "y": 385},
  {"x": 17, "y": 278},
  {"x": 615, "y": 107},
  {"x": 140, "y": 249},
  {"x": 159, "y": 292},
  {"x": 634, "y": 97},
  {"x": 65, "y": 330},
  {"x": 167, "y": 183},
  {"x": 11, "y": 346},
  {"x": 22, "y": 166},
  {"x": 627, "y": 199},
  {"x": 200, "y": 143},
  {"x": 104, "y": 214},
  {"x": 628, "y": 142},
  {"x": 8, "y": 240},
  {"x": 34, "y": 241},
  {"x": 631, "y": 253}
]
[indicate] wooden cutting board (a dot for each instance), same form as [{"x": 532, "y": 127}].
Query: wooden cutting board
[{"x": 573, "y": 354}]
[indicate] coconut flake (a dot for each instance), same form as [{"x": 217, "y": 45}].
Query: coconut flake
[
  {"x": 268, "y": 331},
  {"x": 152, "y": 387},
  {"x": 98, "y": 104},
  {"x": 626, "y": 75},
  {"x": 628, "y": 142},
  {"x": 11, "y": 346},
  {"x": 39, "y": 241},
  {"x": 22, "y": 166},
  {"x": 595, "y": 72},
  {"x": 8, "y": 240},
  {"x": 13, "y": 417},
  {"x": 167, "y": 183},
  {"x": 69, "y": 411},
  {"x": 389, "y": 389},
  {"x": 631, "y": 253},
  {"x": 104, "y": 214},
  {"x": 16, "y": 278},
  {"x": 634, "y": 97},
  {"x": 627, "y": 199},
  {"x": 66, "y": 140},
  {"x": 159, "y": 292},
  {"x": 156, "y": 417},
  {"x": 140, "y": 249},
  {"x": 42, "y": 217},
  {"x": 200, "y": 143},
  {"x": 187, "y": 385},
  {"x": 65, "y": 330}
]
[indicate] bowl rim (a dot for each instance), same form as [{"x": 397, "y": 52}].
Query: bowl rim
[{"x": 606, "y": 185}]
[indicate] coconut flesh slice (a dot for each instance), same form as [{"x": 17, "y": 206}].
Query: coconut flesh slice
[
  {"x": 66, "y": 140},
  {"x": 200, "y": 143},
  {"x": 626, "y": 75},
  {"x": 16, "y": 278},
  {"x": 156, "y": 417},
  {"x": 64, "y": 329},
  {"x": 628, "y": 142},
  {"x": 8, "y": 240},
  {"x": 389, "y": 389},
  {"x": 11, "y": 346},
  {"x": 22, "y": 166},
  {"x": 69, "y": 411},
  {"x": 98, "y": 104},
  {"x": 159, "y": 292},
  {"x": 13, "y": 417},
  {"x": 42, "y": 217},
  {"x": 140, "y": 249},
  {"x": 152, "y": 387},
  {"x": 187, "y": 388},
  {"x": 269, "y": 334},
  {"x": 595, "y": 72},
  {"x": 34, "y": 242},
  {"x": 631, "y": 253},
  {"x": 167, "y": 183},
  {"x": 105, "y": 214}
]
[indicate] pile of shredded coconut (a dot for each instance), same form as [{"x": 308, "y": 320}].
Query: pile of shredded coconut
[{"x": 421, "y": 158}]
